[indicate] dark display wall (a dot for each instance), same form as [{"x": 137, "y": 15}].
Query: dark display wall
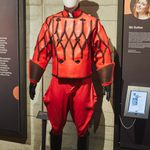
[
  {"x": 133, "y": 69},
  {"x": 12, "y": 69}
]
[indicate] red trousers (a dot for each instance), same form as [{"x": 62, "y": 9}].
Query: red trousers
[{"x": 76, "y": 95}]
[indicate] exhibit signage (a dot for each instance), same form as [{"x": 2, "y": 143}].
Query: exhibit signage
[
  {"x": 132, "y": 118},
  {"x": 12, "y": 69},
  {"x": 136, "y": 46}
]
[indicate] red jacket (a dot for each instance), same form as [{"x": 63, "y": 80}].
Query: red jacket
[{"x": 73, "y": 44}]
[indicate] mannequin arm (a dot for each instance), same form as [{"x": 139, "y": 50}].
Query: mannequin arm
[
  {"x": 32, "y": 88},
  {"x": 107, "y": 91},
  {"x": 103, "y": 55},
  {"x": 41, "y": 57}
]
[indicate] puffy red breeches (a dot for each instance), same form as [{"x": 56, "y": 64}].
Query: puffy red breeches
[{"x": 76, "y": 95}]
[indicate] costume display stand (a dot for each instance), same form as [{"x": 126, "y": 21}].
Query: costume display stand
[
  {"x": 43, "y": 116},
  {"x": 78, "y": 43}
]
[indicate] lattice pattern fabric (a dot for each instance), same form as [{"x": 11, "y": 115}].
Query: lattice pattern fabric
[
  {"x": 73, "y": 39},
  {"x": 73, "y": 43},
  {"x": 44, "y": 40}
]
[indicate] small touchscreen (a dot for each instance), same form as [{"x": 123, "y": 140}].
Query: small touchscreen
[{"x": 137, "y": 102}]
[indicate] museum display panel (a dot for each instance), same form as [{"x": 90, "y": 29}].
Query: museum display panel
[
  {"x": 12, "y": 70},
  {"x": 132, "y": 101}
]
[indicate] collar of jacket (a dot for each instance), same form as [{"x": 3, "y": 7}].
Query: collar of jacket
[{"x": 75, "y": 14}]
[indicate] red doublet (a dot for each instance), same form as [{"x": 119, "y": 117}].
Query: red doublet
[{"x": 73, "y": 44}]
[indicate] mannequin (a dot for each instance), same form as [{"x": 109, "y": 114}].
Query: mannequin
[
  {"x": 71, "y": 4},
  {"x": 80, "y": 40}
]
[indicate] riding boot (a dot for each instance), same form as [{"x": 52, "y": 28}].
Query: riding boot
[
  {"x": 55, "y": 141},
  {"x": 83, "y": 142}
]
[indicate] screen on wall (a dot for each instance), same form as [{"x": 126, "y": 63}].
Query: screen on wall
[{"x": 137, "y": 102}]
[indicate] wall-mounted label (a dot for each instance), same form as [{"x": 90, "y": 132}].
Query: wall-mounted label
[
  {"x": 9, "y": 66},
  {"x": 135, "y": 73}
]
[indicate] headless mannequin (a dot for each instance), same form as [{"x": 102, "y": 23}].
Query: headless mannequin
[{"x": 70, "y": 6}]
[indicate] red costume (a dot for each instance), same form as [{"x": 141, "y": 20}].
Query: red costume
[{"x": 73, "y": 44}]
